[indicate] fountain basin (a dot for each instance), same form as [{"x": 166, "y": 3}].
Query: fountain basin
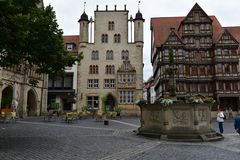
[{"x": 178, "y": 122}]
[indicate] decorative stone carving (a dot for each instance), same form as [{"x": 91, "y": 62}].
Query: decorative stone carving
[
  {"x": 181, "y": 118},
  {"x": 177, "y": 121}
]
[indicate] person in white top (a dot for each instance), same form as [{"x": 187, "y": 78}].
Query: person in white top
[{"x": 220, "y": 120}]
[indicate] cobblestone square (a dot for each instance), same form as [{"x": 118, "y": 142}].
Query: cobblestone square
[{"x": 86, "y": 139}]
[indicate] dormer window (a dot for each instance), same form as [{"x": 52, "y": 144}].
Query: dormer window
[{"x": 69, "y": 46}]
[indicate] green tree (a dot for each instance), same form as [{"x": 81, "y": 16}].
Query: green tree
[{"x": 29, "y": 35}]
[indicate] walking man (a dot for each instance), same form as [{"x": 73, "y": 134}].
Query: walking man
[
  {"x": 220, "y": 120},
  {"x": 237, "y": 123}
]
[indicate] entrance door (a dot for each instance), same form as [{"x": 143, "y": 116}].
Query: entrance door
[
  {"x": 227, "y": 102},
  {"x": 7, "y": 97},
  {"x": 31, "y": 104},
  {"x": 110, "y": 102}
]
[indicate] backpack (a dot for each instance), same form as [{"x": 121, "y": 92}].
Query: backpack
[{"x": 224, "y": 116}]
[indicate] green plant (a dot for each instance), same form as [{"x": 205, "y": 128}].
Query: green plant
[
  {"x": 196, "y": 100},
  {"x": 118, "y": 110},
  {"x": 208, "y": 100},
  {"x": 104, "y": 108},
  {"x": 84, "y": 108}
]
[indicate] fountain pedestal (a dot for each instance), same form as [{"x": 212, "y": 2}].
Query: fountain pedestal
[{"x": 178, "y": 122}]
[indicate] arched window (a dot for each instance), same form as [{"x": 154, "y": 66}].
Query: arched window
[
  {"x": 95, "y": 55},
  {"x": 110, "y": 69},
  {"x": 110, "y": 25},
  {"x": 109, "y": 55},
  {"x": 104, "y": 38},
  {"x": 93, "y": 69},
  {"x": 96, "y": 69},
  {"x": 125, "y": 55},
  {"x": 117, "y": 38},
  {"x": 90, "y": 69}
]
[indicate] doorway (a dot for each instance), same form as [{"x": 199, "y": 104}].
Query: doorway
[
  {"x": 7, "y": 94},
  {"x": 31, "y": 103},
  {"x": 110, "y": 102}
]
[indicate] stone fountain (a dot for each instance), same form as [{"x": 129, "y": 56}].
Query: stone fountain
[{"x": 170, "y": 119}]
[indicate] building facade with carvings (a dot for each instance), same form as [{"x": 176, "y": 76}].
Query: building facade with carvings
[
  {"x": 25, "y": 88},
  {"x": 111, "y": 73},
  {"x": 205, "y": 53}
]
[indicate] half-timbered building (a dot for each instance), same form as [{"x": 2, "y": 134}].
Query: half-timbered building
[{"x": 206, "y": 56}]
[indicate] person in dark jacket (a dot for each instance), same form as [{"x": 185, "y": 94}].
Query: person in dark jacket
[{"x": 237, "y": 123}]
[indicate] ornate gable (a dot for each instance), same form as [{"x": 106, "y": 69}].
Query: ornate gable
[
  {"x": 173, "y": 39},
  {"x": 126, "y": 67},
  {"x": 197, "y": 14},
  {"x": 227, "y": 39}
]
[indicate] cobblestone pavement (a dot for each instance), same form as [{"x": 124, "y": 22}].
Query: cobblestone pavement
[{"x": 34, "y": 139}]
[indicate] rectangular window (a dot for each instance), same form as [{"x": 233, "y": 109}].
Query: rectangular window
[
  {"x": 109, "y": 83},
  {"x": 218, "y": 52},
  {"x": 181, "y": 69},
  {"x": 69, "y": 47},
  {"x": 220, "y": 86},
  {"x": 194, "y": 71},
  {"x": 181, "y": 87},
  {"x": 93, "y": 102},
  {"x": 235, "y": 86},
  {"x": 93, "y": 83},
  {"x": 202, "y": 88},
  {"x": 194, "y": 87},
  {"x": 219, "y": 68},
  {"x": 58, "y": 82},
  {"x": 202, "y": 70},
  {"x": 187, "y": 70},
  {"x": 209, "y": 70},
  {"x": 227, "y": 68},
  {"x": 234, "y": 68},
  {"x": 126, "y": 97},
  {"x": 68, "y": 81},
  {"x": 50, "y": 82},
  {"x": 228, "y": 86}
]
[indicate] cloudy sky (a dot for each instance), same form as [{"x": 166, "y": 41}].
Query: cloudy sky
[{"x": 68, "y": 13}]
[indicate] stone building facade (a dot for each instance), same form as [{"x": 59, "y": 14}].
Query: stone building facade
[
  {"x": 206, "y": 55},
  {"x": 26, "y": 87},
  {"x": 22, "y": 86},
  {"x": 111, "y": 73}
]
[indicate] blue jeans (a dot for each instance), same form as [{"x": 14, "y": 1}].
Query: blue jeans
[{"x": 220, "y": 125}]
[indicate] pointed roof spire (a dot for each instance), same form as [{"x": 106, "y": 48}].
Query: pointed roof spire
[
  {"x": 139, "y": 6},
  {"x": 139, "y": 14},
  {"x": 84, "y": 5},
  {"x": 84, "y": 16}
]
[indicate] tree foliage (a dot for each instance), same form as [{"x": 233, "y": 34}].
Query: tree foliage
[{"x": 29, "y": 35}]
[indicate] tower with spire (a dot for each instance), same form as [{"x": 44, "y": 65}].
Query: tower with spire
[
  {"x": 138, "y": 26},
  {"x": 84, "y": 26},
  {"x": 111, "y": 73}
]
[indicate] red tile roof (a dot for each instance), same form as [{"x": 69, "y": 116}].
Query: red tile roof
[
  {"x": 235, "y": 31},
  {"x": 217, "y": 28},
  {"x": 161, "y": 28},
  {"x": 72, "y": 39}
]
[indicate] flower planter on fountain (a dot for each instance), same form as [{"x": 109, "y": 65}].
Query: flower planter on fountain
[{"x": 177, "y": 121}]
